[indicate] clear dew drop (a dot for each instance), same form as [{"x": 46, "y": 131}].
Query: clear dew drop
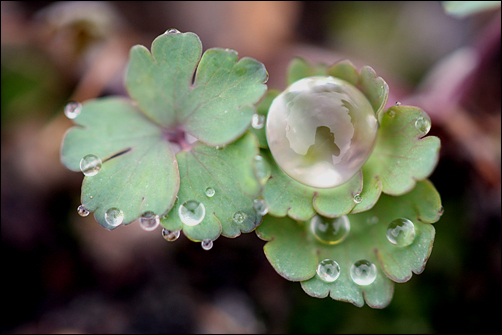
[
  {"x": 149, "y": 221},
  {"x": 321, "y": 130},
  {"x": 72, "y": 109},
  {"x": 114, "y": 217},
  {"x": 261, "y": 169},
  {"x": 90, "y": 165},
  {"x": 363, "y": 272},
  {"x": 358, "y": 198},
  {"x": 172, "y": 31},
  {"x": 401, "y": 232},
  {"x": 398, "y": 103},
  {"x": 328, "y": 270},
  {"x": 206, "y": 244},
  {"x": 423, "y": 125},
  {"x": 258, "y": 121},
  {"x": 239, "y": 217},
  {"x": 192, "y": 212},
  {"x": 210, "y": 192},
  {"x": 82, "y": 211},
  {"x": 260, "y": 206},
  {"x": 170, "y": 235},
  {"x": 330, "y": 231}
]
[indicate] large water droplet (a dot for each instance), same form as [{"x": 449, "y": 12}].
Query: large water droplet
[
  {"x": 330, "y": 231},
  {"x": 72, "y": 109},
  {"x": 210, "y": 192},
  {"x": 149, "y": 221},
  {"x": 82, "y": 211},
  {"x": 239, "y": 217},
  {"x": 258, "y": 121},
  {"x": 321, "y": 130},
  {"x": 363, "y": 272},
  {"x": 401, "y": 232},
  {"x": 192, "y": 212},
  {"x": 328, "y": 270},
  {"x": 90, "y": 165},
  {"x": 260, "y": 206},
  {"x": 423, "y": 125},
  {"x": 170, "y": 235},
  {"x": 114, "y": 217},
  {"x": 206, "y": 244},
  {"x": 261, "y": 169}
]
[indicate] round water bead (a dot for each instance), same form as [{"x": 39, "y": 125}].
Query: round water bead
[
  {"x": 114, "y": 217},
  {"x": 72, "y": 109},
  {"x": 330, "y": 231},
  {"x": 170, "y": 235},
  {"x": 149, "y": 221},
  {"x": 328, "y": 270},
  {"x": 423, "y": 125},
  {"x": 192, "y": 212},
  {"x": 239, "y": 217},
  {"x": 90, "y": 165},
  {"x": 206, "y": 244},
  {"x": 401, "y": 232},
  {"x": 210, "y": 192},
  {"x": 260, "y": 206},
  {"x": 321, "y": 130},
  {"x": 261, "y": 169},
  {"x": 82, "y": 211},
  {"x": 258, "y": 121},
  {"x": 363, "y": 272}
]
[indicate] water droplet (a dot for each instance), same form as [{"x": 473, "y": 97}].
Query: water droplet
[
  {"x": 258, "y": 121},
  {"x": 82, "y": 211},
  {"x": 72, "y": 109},
  {"x": 239, "y": 217},
  {"x": 423, "y": 125},
  {"x": 328, "y": 270},
  {"x": 398, "y": 103},
  {"x": 330, "y": 231},
  {"x": 192, "y": 212},
  {"x": 170, "y": 235},
  {"x": 326, "y": 135},
  {"x": 149, "y": 221},
  {"x": 372, "y": 220},
  {"x": 363, "y": 272},
  {"x": 210, "y": 192},
  {"x": 260, "y": 206},
  {"x": 261, "y": 169},
  {"x": 206, "y": 244},
  {"x": 391, "y": 113},
  {"x": 90, "y": 165},
  {"x": 358, "y": 198},
  {"x": 401, "y": 232},
  {"x": 114, "y": 217},
  {"x": 172, "y": 31}
]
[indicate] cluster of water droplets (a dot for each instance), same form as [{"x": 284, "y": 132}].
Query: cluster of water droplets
[{"x": 321, "y": 130}]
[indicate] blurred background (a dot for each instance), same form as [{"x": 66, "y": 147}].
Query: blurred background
[{"x": 66, "y": 274}]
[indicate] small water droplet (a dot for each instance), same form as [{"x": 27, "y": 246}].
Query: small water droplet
[
  {"x": 239, "y": 217},
  {"x": 82, "y": 211},
  {"x": 391, "y": 113},
  {"x": 363, "y": 272},
  {"x": 358, "y": 198},
  {"x": 149, "y": 221},
  {"x": 261, "y": 169},
  {"x": 172, "y": 31},
  {"x": 114, "y": 217},
  {"x": 324, "y": 137},
  {"x": 258, "y": 121},
  {"x": 206, "y": 244},
  {"x": 330, "y": 231},
  {"x": 192, "y": 212},
  {"x": 210, "y": 192},
  {"x": 90, "y": 165},
  {"x": 170, "y": 235},
  {"x": 260, "y": 206},
  {"x": 398, "y": 103},
  {"x": 328, "y": 270},
  {"x": 72, "y": 109},
  {"x": 401, "y": 232},
  {"x": 423, "y": 125}
]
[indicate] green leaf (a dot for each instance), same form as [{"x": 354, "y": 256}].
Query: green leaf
[
  {"x": 229, "y": 172},
  {"x": 138, "y": 173},
  {"x": 218, "y": 107},
  {"x": 262, "y": 109},
  {"x": 295, "y": 252}
]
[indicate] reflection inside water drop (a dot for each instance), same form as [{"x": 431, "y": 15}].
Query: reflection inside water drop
[
  {"x": 114, "y": 217},
  {"x": 72, "y": 109},
  {"x": 330, "y": 231},
  {"x": 149, "y": 221},
  {"x": 363, "y": 272},
  {"x": 206, "y": 244},
  {"x": 169, "y": 235},
  {"x": 82, "y": 211},
  {"x": 192, "y": 212},
  {"x": 401, "y": 232},
  {"x": 90, "y": 165},
  {"x": 328, "y": 270},
  {"x": 210, "y": 192}
]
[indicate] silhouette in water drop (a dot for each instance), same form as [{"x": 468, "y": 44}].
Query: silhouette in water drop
[{"x": 324, "y": 147}]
